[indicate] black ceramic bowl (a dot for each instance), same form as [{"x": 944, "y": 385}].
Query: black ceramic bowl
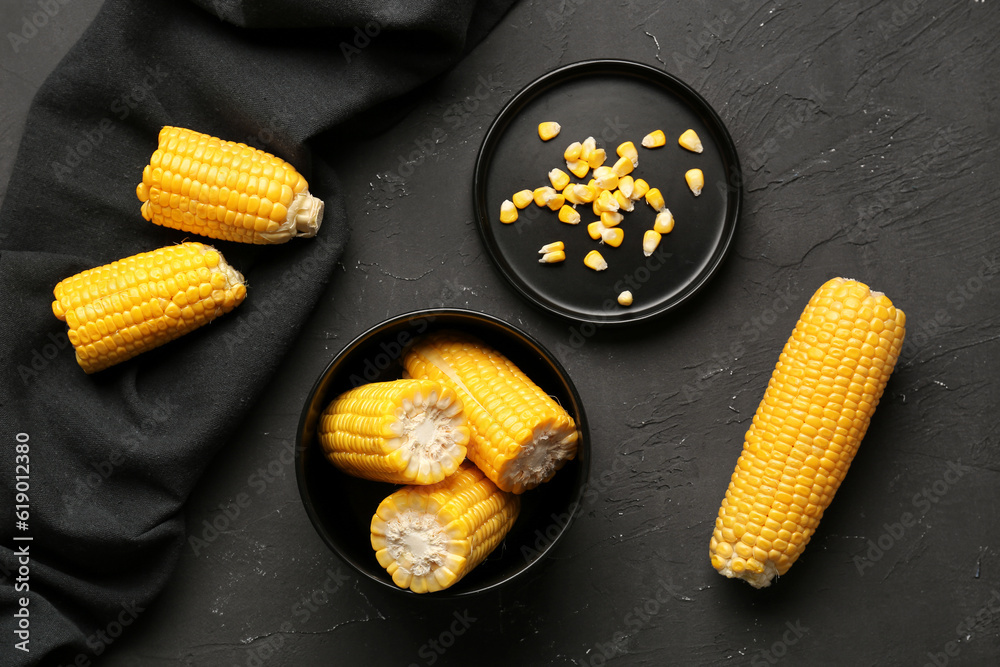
[{"x": 341, "y": 507}]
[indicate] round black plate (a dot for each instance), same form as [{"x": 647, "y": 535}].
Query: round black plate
[{"x": 613, "y": 101}]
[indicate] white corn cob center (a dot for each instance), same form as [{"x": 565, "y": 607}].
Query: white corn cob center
[
  {"x": 425, "y": 433},
  {"x": 417, "y": 542}
]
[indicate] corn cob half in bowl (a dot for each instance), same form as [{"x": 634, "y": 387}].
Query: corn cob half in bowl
[{"x": 504, "y": 534}]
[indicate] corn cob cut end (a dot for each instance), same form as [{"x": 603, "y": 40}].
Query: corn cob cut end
[{"x": 549, "y": 447}]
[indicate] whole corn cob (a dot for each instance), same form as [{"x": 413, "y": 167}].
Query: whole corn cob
[
  {"x": 118, "y": 310},
  {"x": 224, "y": 190},
  {"x": 520, "y": 435},
  {"x": 429, "y": 537},
  {"x": 402, "y": 432},
  {"x": 818, "y": 403}
]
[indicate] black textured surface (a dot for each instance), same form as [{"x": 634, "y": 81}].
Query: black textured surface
[{"x": 867, "y": 135}]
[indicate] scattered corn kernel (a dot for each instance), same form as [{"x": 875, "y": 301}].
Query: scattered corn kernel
[
  {"x": 611, "y": 218},
  {"x": 594, "y": 260},
  {"x": 613, "y": 237},
  {"x": 508, "y": 212},
  {"x": 548, "y": 130},
  {"x": 522, "y": 198},
  {"x": 624, "y": 203},
  {"x": 572, "y": 152},
  {"x": 691, "y": 141},
  {"x": 585, "y": 193},
  {"x": 570, "y": 196},
  {"x": 626, "y": 185},
  {"x": 606, "y": 178},
  {"x": 586, "y": 148},
  {"x": 556, "y": 202},
  {"x": 695, "y": 180},
  {"x": 558, "y": 178},
  {"x": 551, "y": 247},
  {"x": 625, "y": 298},
  {"x": 655, "y": 199},
  {"x": 553, "y": 257},
  {"x": 596, "y": 230},
  {"x": 628, "y": 150},
  {"x": 578, "y": 168},
  {"x": 569, "y": 215},
  {"x": 639, "y": 189},
  {"x": 606, "y": 202},
  {"x": 654, "y": 139},
  {"x": 664, "y": 223},
  {"x": 543, "y": 194},
  {"x": 623, "y": 167},
  {"x": 597, "y": 158},
  {"x": 650, "y": 240}
]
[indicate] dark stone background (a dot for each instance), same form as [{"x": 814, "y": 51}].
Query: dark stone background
[{"x": 868, "y": 135}]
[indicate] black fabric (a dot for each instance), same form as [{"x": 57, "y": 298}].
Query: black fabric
[{"x": 113, "y": 456}]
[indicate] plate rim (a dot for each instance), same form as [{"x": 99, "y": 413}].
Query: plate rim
[{"x": 720, "y": 251}]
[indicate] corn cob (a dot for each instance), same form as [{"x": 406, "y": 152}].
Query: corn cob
[
  {"x": 429, "y": 537},
  {"x": 520, "y": 435},
  {"x": 818, "y": 403},
  {"x": 224, "y": 190},
  {"x": 401, "y": 432},
  {"x": 119, "y": 310}
]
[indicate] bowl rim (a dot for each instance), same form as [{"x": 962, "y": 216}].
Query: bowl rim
[{"x": 582, "y": 459}]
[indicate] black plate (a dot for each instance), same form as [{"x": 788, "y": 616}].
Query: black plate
[
  {"x": 341, "y": 507},
  {"x": 613, "y": 101}
]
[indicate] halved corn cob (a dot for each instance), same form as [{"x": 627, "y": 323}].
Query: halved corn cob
[
  {"x": 520, "y": 435},
  {"x": 119, "y": 310},
  {"x": 225, "y": 190},
  {"x": 401, "y": 432},
  {"x": 428, "y": 537},
  {"x": 821, "y": 396}
]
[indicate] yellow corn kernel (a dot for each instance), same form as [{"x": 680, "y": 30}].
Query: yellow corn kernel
[
  {"x": 624, "y": 203},
  {"x": 650, "y": 240},
  {"x": 585, "y": 193},
  {"x": 623, "y": 167},
  {"x": 606, "y": 202},
  {"x": 578, "y": 168},
  {"x": 569, "y": 194},
  {"x": 695, "y": 180},
  {"x": 654, "y": 139},
  {"x": 664, "y": 223},
  {"x": 613, "y": 237},
  {"x": 625, "y": 298},
  {"x": 522, "y": 198},
  {"x": 606, "y": 178},
  {"x": 556, "y": 202},
  {"x": 690, "y": 140},
  {"x": 543, "y": 195},
  {"x": 814, "y": 414},
  {"x": 572, "y": 152},
  {"x": 639, "y": 189},
  {"x": 508, "y": 212},
  {"x": 596, "y": 230},
  {"x": 586, "y": 148},
  {"x": 558, "y": 178},
  {"x": 569, "y": 215},
  {"x": 628, "y": 150},
  {"x": 553, "y": 257},
  {"x": 597, "y": 158},
  {"x": 551, "y": 247},
  {"x": 655, "y": 199},
  {"x": 594, "y": 260},
  {"x": 548, "y": 130},
  {"x": 626, "y": 185},
  {"x": 611, "y": 218}
]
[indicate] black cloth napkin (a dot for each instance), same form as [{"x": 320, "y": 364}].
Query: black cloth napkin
[{"x": 109, "y": 459}]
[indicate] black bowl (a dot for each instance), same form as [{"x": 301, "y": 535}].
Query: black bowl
[{"x": 341, "y": 507}]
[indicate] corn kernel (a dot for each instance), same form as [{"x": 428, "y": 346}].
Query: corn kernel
[
  {"x": 522, "y": 198},
  {"x": 596, "y": 230},
  {"x": 553, "y": 257},
  {"x": 570, "y": 195},
  {"x": 558, "y": 178},
  {"x": 695, "y": 180},
  {"x": 597, "y": 158},
  {"x": 654, "y": 139},
  {"x": 606, "y": 178},
  {"x": 556, "y": 202},
  {"x": 655, "y": 199},
  {"x": 508, "y": 212},
  {"x": 569, "y": 215},
  {"x": 548, "y": 130},
  {"x": 572, "y": 152},
  {"x": 628, "y": 150},
  {"x": 639, "y": 189},
  {"x": 585, "y": 193},
  {"x": 611, "y": 218},
  {"x": 606, "y": 202},
  {"x": 664, "y": 223},
  {"x": 691, "y": 141},
  {"x": 626, "y": 185},
  {"x": 543, "y": 194},
  {"x": 551, "y": 247},
  {"x": 594, "y": 260},
  {"x": 624, "y": 203},
  {"x": 625, "y": 298},
  {"x": 650, "y": 240},
  {"x": 623, "y": 167},
  {"x": 613, "y": 237},
  {"x": 586, "y": 148},
  {"x": 578, "y": 168}
]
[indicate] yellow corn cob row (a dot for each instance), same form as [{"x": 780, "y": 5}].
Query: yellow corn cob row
[
  {"x": 225, "y": 190},
  {"x": 520, "y": 435},
  {"x": 401, "y": 432},
  {"x": 818, "y": 403},
  {"x": 429, "y": 537},
  {"x": 119, "y": 310}
]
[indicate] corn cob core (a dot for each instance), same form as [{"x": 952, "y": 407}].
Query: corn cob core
[
  {"x": 520, "y": 435},
  {"x": 119, "y": 310},
  {"x": 225, "y": 190},
  {"x": 402, "y": 432},
  {"x": 429, "y": 537},
  {"x": 816, "y": 409}
]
